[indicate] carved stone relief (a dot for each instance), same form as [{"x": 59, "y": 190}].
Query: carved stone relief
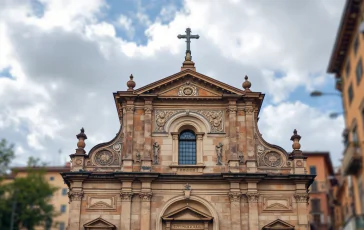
[
  {"x": 188, "y": 90},
  {"x": 276, "y": 203},
  {"x": 97, "y": 202},
  {"x": 104, "y": 157},
  {"x": 272, "y": 159},
  {"x": 214, "y": 117},
  {"x": 219, "y": 149},
  {"x": 156, "y": 149}
]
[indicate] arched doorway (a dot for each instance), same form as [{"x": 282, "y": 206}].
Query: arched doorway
[{"x": 193, "y": 213}]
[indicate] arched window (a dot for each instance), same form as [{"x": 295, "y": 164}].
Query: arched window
[{"x": 187, "y": 148}]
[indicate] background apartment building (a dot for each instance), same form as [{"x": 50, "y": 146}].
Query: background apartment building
[
  {"x": 60, "y": 197},
  {"x": 321, "y": 205},
  {"x": 346, "y": 63}
]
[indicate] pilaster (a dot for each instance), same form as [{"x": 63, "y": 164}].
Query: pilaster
[
  {"x": 75, "y": 196},
  {"x": 126, "y": 196},
  {"x": 253, "y": 199},
  {"x": 128, "y": 157},
  {"x": 199, "y": 146},
  {"x": 145, "y": 196},
  {"x": 249, "y": 124},
  {"x": 148, "y": 109},
  {"x": 174, "y": 148},
  {"x": 235, "y": 195},
  {"x": 301, "y": 196}
]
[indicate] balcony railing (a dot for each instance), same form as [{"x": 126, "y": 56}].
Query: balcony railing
[
  {"x": 355, "y": 222},
  {"x": 352, "y": 159}
]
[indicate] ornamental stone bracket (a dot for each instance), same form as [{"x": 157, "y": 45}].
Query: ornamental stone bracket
[
  {"x": 145, "y": 196},
  {"x": 75, "y": 195},
  {"x": 301, "y": 197},
  {"x": 126, "y": 196},
  {"x": 253, "y": 197}
]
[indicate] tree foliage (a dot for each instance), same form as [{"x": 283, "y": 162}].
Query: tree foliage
[
  {"x": 6, "y": 155},
  {"x": 26, "y": 199}
]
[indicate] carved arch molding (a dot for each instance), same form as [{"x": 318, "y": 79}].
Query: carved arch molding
[{"x": 215, "y": 118}]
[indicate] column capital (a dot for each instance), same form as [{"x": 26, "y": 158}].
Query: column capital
[
  {"x": 234, "y": 196},
  {"x": 126, "y": 196},
  {"x": 301, "y": 197},
  {"x": 145, "y": 196},
  {"x": 75, "y": 195},
  {"x": 253, "y": 197}
]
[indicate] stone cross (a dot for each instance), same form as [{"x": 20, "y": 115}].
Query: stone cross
[{"x": 188, "y": 37}]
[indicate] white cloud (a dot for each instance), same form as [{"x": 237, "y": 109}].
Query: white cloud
[
  {"x": 68, "y": 61},
  {"x": 319, "y": 132}
]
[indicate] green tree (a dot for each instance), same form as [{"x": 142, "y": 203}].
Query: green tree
[
  {"x": 6, "y": 155},
  {"x": 25, "y": 200}
]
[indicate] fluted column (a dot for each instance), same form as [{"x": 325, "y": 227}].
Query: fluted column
[{"x": 235, "y": 210}]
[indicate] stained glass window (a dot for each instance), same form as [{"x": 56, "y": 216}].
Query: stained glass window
[{"x": 187, "y": 148}]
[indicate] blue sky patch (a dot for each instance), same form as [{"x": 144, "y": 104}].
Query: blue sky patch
[
  {"x": 137, "y": 15},
  {"x": 5, "y": 73}
]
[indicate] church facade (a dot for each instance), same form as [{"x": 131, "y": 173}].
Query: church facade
[{"x": 188, "y": 155}]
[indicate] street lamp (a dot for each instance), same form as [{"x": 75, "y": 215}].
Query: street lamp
[
  {"x": 317, "y": 93},
  {"x": 335, "y": 115}
]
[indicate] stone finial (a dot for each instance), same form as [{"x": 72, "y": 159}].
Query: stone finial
[
  {"x": 131, "y": 84},
  {"x": 296, "y": 140},
  {"x": 296, "y": 144},
  {"x": 81, "y": 142},
  {"x": 247, "y": 84}
]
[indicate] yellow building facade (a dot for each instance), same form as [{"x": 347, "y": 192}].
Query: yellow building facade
[
  {"x": 59, "y": 199},
  {"x": 347, "y": 64}
]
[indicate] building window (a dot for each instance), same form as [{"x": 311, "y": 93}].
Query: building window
[
  {"x": 61, "y": 226},
  {"x": 359, "y": 71},
  {"x": 350, "y": 93},
  {"x": 313, "y": 170},
  {"x": 356, "y": 45},
  {"x": 63, "y": 208},
  {"x": 317, "y": 219},
  {"x": 354, "y": 136},
  {"x": 51, "y": 178},
  {"x": 314, "y": 186},
  {"x": 347, "y": 68},
  {"x": 64, "y": 191},
  {"x": 187, "y": 148},
  {"x": 315, "y": 206}
]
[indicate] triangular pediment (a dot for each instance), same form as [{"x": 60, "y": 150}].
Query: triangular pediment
[
  {"x": 187, "y": 213},
  {"x": 99, "y": 223},
  {"x": 278, "y": 225},
  {"x": 173, "y": 85}
]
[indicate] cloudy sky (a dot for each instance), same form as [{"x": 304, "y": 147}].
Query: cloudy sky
[{"x": 60, "y": 61}]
